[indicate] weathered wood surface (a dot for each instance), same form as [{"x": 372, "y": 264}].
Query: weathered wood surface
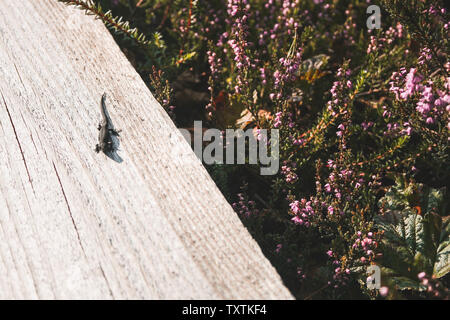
[{"x": 73, "y": 223}]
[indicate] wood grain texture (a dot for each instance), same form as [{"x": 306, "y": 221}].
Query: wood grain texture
[{"x": 73, "y": 223}]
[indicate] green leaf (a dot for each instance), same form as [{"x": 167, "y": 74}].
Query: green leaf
[
  {"x": 442, "y": 265},
  {"x": 413, "y": 242},
  {"x": 436, "y": 201}
]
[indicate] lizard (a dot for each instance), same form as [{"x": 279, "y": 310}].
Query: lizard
[{"x": 108, "y": 137}]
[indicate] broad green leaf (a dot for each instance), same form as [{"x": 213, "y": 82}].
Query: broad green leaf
[
  {"x": 413, "y": 242},
  {"x": 442, "y": 265}
]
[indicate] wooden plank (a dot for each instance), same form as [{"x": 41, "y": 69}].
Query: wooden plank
[{"x": 73, "y": 223}]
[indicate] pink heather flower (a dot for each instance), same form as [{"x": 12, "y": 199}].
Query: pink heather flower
[
  {"x": 421, "y": 275},
  {"x": 279, "y": 246},
  {"x": 295, "y": 206},
  {"x": 412, "y": 84},
  {"x": 298, "y": 142},
  {"x": 330, "y": 163},
  {"x": 407, "y": 131},
  {"x": 399, "y": 30},
  {"x": 291, "y": 177},
  {"x": 277, "y": 122},
  {"x": 290, "y": 66},
  {"x": 349, "y": 84},
  {"x": 330, "y": 210},
  {"x": 386, "y": 114},
  {"x": 367, "y": 125},
  {"x": 330, "y": 253},
  {"x": 297, "y": 220},
  {"x": 384, "y": 291}
]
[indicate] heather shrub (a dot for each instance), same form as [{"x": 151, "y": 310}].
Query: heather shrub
[{"x": 363, "y": 118}]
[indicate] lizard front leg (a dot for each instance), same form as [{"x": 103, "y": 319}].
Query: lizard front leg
[{"x": 115, "y": 132}]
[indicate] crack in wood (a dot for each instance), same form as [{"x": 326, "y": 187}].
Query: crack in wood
[
  {"x": 31, "y": 134},
  {"x": 20, "y": 78},
  {"x": 32, "y": 271},
  {"x": 69, "y": 209},
  {"x": 106, "y": 280},
  {"x": 18, "y": 142}
]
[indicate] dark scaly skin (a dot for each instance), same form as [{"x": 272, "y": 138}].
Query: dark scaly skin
[{"x": 108, "y": 137}]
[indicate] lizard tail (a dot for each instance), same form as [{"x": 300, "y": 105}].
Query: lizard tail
[{"x": 104, "y": 109}]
